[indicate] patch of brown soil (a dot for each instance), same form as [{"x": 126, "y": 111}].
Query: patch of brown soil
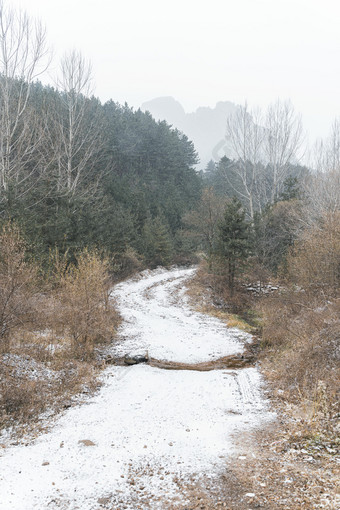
[
  {"x": 268, "y": 473},
  {"x": 281, "y": 474}
]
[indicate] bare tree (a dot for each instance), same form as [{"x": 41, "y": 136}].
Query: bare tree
[
  {"x": 76, "y": 137},
  {"x": 245, "y": 137},
  {"x": 325, "y": 154},
  {"x": 317, "y": 159},
  {"x": 23, "y": 58},
  {"x": 333, "y": 148},
  {"x": 263, "y": 149},
  {"x": 325, "y": 192},
  {"x": 322, "y": 187},
  {"x": 282, "y": 144}
]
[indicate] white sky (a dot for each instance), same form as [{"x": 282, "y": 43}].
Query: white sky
[{"x": 204, "y": 52}]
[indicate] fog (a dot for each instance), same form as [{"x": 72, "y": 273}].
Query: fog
[{"x": 201, "y": 54}]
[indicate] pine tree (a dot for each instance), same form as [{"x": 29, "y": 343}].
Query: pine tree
[
  {"x": 158, "y": 246},
  {"x": 234, "y": 237}
]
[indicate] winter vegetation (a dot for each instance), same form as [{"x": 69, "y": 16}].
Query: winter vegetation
[
  {"x": 91, "y": 193},
  {"x": 276, "y": 266}
]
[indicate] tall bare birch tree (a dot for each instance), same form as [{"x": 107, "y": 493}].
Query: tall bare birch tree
[
  {"x": 325, "y": 154},
  {"x": 282, "y": 144},
  {"x": 23, "y": 58},
  {"x": 245, "y": 136},
  {"x": 77, "y": 134}
]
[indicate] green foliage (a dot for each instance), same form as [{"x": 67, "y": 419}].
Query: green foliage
[
  {"x": 274, "y": 233},
  {"x": 157, "y": 243},
  {"x": 291, "y": 189},
  {"x": 139, "y": 170},
  {"x": 234, "y": 237}
]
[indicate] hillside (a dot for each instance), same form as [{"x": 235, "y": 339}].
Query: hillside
[
  {"x": 79, "y": 173},
  {"x": 205, "y": 126}
]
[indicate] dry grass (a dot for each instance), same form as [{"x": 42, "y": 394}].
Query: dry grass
[
  {"x": 29, "y": 388},
  {"x": 47, "y": 360},
  {"x": 234, "y": 321},
  {"x": 299, "y": 348},
  {"x": 300, "y": 355},
  {"x": 209, "y": 294},
  {"x": 301, "y": 331},
  {"x": 293, "y": 464},
  {"x": 281, "y": 473}
]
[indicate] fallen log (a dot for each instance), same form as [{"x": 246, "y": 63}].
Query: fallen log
[{"x": 234, "y": 361}]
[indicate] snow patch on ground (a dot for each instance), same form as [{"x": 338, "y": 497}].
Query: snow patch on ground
[{"x": 158, "y": 320}]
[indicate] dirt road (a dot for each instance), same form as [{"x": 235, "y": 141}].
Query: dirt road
[{"x": 149, "y": 431}]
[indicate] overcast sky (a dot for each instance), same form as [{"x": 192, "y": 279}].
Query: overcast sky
[{"x": 205, "y": 52}]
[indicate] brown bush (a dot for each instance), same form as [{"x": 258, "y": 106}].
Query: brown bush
[
  {"x": 20, "y": 398},
  {"x": 301, "y": 324},
  {"x": 49, "y": 330},
  {"x": 23, "y": 396},
  {"x": 209, "y": 291},
  {"x": 314, "y": 262},
  {"x": 300, "y": 343},
  {"x": 18, "y": 288},
  {"x": 127, "y": 263},
  {"x": 83, "y": 311}
]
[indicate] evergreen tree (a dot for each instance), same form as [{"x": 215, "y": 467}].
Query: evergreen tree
[
  {"x": 275, "y": 232},
  {"x": 103, "y": 194},
  {"x": 291, "y": 189},
  {"x": 158, "y": 246},
  {"x": 234, "y": 237}
]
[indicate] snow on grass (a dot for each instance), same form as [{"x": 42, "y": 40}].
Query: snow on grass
[
  {"x": 147, "y": 427},
  {"x": 28, "y": 368}
]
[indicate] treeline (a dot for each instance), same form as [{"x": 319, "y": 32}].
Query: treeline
[
  {"x": 97, "y": 175},
  {"x": 75, "y": 172},
  {"x": 88, "y": 191}
]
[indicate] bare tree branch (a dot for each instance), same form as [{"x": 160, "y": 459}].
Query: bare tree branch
[{"x": 23, "y": 57}]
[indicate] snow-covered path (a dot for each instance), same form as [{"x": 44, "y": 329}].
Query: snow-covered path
[{"x": 147, "y": 428}]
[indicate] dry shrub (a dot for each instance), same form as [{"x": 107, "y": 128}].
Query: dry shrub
[
  {"x": 301, "y": 325},
  {"x": 127, "y": 263},
  {"x": 49, "y": 330},
  {"x": 18, "y": 288},
  {"x": 20, "y": 399},
  {"x": 300, "y": 343},
  {"x": 314, "y": 263},
  {"x": 209, "y": 291},
  {"x": 83, "y": 310},
  {"x": 23, "y": 396},
  {"x": 281, "y": 318}
]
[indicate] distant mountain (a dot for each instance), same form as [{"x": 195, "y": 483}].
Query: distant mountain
[{"x": 205, "y": 127}]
